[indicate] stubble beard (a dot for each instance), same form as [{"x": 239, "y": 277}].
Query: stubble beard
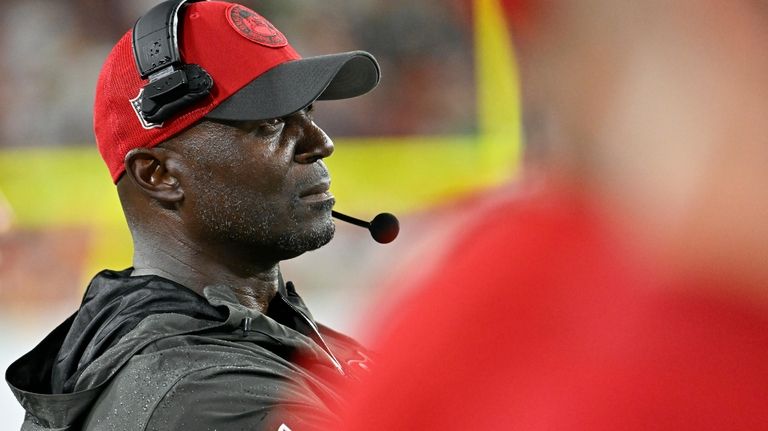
[{"x": 250, "y": 222}]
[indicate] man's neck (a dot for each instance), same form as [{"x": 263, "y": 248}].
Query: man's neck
[{"x": 254, "y": 284}]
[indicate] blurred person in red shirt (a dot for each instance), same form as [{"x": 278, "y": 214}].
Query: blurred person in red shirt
[{"x": 624, "y": 283}]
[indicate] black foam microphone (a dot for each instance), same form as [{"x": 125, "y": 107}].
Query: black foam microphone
[{"x": 384, "y": 227}]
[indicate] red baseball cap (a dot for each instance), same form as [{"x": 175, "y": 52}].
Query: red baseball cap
[{"x": 256, "y": 75}]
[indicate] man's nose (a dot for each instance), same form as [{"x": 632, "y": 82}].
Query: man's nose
[{"x": 313, "y": 143}]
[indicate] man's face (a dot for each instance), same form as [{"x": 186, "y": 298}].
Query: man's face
[{"x": 259, "y": 187}]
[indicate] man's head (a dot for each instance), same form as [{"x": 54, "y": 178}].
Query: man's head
[{"x": 239, "y": 168}]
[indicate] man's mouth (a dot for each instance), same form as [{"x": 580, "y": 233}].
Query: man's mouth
[{"x": 317, "y": 193}]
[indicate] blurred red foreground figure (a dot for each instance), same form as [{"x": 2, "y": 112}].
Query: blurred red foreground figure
[
  {"x": 631, "y": 292},
  {"x": 542, "y": 319}
]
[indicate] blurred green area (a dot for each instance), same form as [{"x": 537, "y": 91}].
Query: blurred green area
[{"x": 58, "y": 186}]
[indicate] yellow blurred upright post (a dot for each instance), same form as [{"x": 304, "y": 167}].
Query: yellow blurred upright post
[{"x": 498, "y": 92}]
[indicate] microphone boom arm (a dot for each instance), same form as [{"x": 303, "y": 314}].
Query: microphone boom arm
[{"x": 383, "y": 228}]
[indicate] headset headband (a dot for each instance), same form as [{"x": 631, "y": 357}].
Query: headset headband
[{"x": 173, "y": 84}]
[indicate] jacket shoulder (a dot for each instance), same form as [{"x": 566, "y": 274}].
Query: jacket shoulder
[{"x": 202, "y": 384}]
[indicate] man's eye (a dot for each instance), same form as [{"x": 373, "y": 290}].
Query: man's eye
[{"x": 271, "y": 124}]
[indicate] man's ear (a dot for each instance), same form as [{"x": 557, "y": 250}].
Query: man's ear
[{"x": 154, "y": 171}]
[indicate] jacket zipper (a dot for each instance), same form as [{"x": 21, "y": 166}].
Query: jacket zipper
[{"x": 323, "y": 344}]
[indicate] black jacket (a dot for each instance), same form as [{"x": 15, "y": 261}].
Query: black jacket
[{"x": 144, "y": 353}]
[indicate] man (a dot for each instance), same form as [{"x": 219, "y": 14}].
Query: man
[
  {"x": 219, "y": 169},
  {"x": 623, "y": 284}
]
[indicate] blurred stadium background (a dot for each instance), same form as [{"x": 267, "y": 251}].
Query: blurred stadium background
[{"x": 443, "y": 124}]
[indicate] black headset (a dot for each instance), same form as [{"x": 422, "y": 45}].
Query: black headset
[{"x": 173, "y": 84}]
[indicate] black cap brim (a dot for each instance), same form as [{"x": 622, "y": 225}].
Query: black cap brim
[{"x": 292, "y": 86}]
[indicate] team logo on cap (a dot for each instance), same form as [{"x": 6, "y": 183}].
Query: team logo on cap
[
  {"x": 255, "y": 27},
  {"x": 136, "y": 104}
]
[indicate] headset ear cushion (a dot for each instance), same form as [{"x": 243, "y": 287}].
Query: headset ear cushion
[{"x": 198, "y": 85}]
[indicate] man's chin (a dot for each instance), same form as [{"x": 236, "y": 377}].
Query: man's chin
[
  {"x": 325, "y": 235},
  {"x": 311, "y": 239}
]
